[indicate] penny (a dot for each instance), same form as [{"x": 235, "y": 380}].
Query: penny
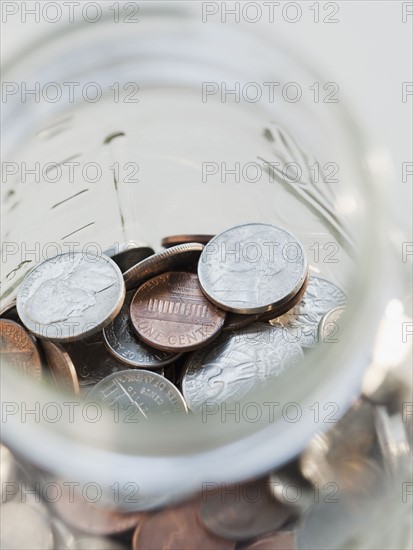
[
  {"x": 329, "y": 327},
  {"x": 287, "y": 306},
  {"x": 92, "y": 361},
  {"x": 61, "y": 367},
  {"x": 237, "y": 363},
  {"x": 174, "y": 258},
  {"x": 282, "y": 540},
  {"x": 174, "y": 240},
  {"x": 18, "y": 350},
  {"x": 171, "y": 313},
  {"x": 303, "y": 320},
  {"x": 126, "y": 255},
  {"x": 176, "y": 528},
  {"x": 242, "y": 511},
  {"x": 24, "y": 528},
  {"x": 252, "y": 268},
  {"x": 139, "y": 394},
  {"x": 125, "y": 345},
  {"x": 91, "y": 518},
  {"x": 71, "y": 296}
]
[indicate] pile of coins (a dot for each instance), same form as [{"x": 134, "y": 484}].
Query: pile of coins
[{"x": 206, "y": 320}]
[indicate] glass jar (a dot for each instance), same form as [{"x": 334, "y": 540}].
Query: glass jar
[{"x": 158, "y": 131}]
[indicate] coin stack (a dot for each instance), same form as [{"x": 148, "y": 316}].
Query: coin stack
[{"x": 206, "y": 320}]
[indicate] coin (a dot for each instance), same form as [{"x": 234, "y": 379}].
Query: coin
[
  {"x": 242, "y": 511},
  {"x": 71, "y": 296},
  {"x": 61, "y": 367},
  {"x": 18, "y": 349},
  {"x": 176, "y": 528},
  {"x": 24, "y": 528},
  {"x": 139, "y": 394},
  {"x": 9, "y": 311},
  {"x": 171, "y": 313},
  {"x": 174, "y": 258},
  {"x": 92, "y": 361},
  {"x": 252, "y": 268},
  {"x": 237, "y": 363},
  {"x": 89, "y": 517},
  {"x": 124, "y": 344},
  {"x": 303, "y": 320},
  {"x": 235, "y": 321},
  {"x": 175, "y": 240},
  {"x": 284, "y": 308},
  {"x": 291, "y": 489},
  {"x": 329, "y": 326},
  {"x": 282, "y": 540},
  {"x": 126, "y": 255}
]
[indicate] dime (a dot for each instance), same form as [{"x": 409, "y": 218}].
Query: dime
[
  {"x": 125, "y": 345},
  {"x": 175, "y": 240},
  {"x": 61, "y": 367},
  {"x": 242, "y": 511},
  {"x": 282, "y": 540},
  {"x": 71, "y": 296},
  {"x": 18, "y": 349},
  {"x": 24, "y": 528},
  {"x": 175, "y": 258},
  {"x": 303, "y": 320},
  {"x": 139, "y": 394},
  {"x": 176, "y": 528},
  {"x": 92, "y": 361},
  {"x": 126, "y": 255},
  {"x": 237, "y": 363},
  {"x": 329, "y": 326},
  {"x": 252, "y": 268},
  {"x": 171, "y": 313},
  {"x": 92, "y": 518},
  {"x": 284, "y": 308}
]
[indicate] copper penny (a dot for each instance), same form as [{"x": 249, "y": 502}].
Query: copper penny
[
  {"x": 283, "y": 308},
  {"x": 283, "y": 540},
  {"x": 19, "y": 350},
  {"x": 174, "y": 240},
  {"x": 174, "y": 258},
  {"x": 61, "y": 367},
  {"x": 176, "y": 528},
  {"x": 92, "y": 518},
  {"x": 170, "y": 312}
]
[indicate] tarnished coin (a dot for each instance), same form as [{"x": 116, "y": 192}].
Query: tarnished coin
[
  {"x": 282, "y": 540},
  {"x": 71, "y": 296},
  {"x": 329, "y": 327},
  {"x": 124, "y": 344},
  {"x": 92, "y": 361},
  {"x": 19, "y": 350},
  {"x": 174, "y": 258},
  {"x": 126, "y": 255},
  {"x": 24, "y": 528},
  {"x": 61, "y": 367},
  {"x": 139, "y": 393},
  {"x": 176, "y": 528},
  {"x": 252, "y": 268},
  {"x": 175, "y": 240},
  {"x": 243, "y": 511},
  {"x": 89, "y": 517},
  {"x": 237, "y": 363},
  {"x": 170, "y": 312},
  {"x": 303, "y": 320}
]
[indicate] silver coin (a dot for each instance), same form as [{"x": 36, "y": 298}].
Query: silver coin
[
  {"x": 252, "y": 268},
  {"x": 122, "y": 341},
  {"x": 9, "y": 311},
  {"x": 126, "y": 255},
  {"x": 329, "y": 327},
  {"x": 139, "y": 394},
  {"x": 71, "y": 296},
  {"x": 242, "y": 511},
  {"x": 179, "y": 257},
  {"x": 22, "y": 527},
  {"x": 302, "y": 322},
  {"x": 237, "y": 363}
]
